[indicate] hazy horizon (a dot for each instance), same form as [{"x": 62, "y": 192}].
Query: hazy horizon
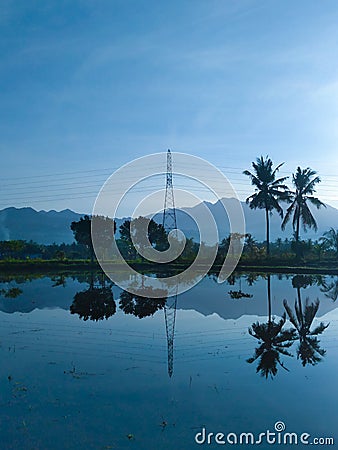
[{"x": 124, "y": 216}]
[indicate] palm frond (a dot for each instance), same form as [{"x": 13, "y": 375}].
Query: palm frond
[
  {"x": 315, "y": 201},
  {"x": 308, "y": 220},
  {"x": 289, "y": 211},
  {"x": 292, "y": 317},
  {"x": 275, "y": 205},
  {"x": 309, "y": 188},
  {"x": 319, "y": 329},
  {"x": 310, "y": 312}
]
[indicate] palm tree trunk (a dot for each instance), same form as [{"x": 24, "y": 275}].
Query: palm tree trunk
[
  {"x": 91, "y": 280},
  {"x": 300, "y": 306},
  {"x": 297, "y": 234},
  {"x": 103, "y": 280},
  {"x": 267, "y": 232},
  {"x": 269, "y": 299}
]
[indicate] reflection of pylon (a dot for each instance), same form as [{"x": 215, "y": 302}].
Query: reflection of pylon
[
  {"x": 170, "y": 317},
  {"x": 169, "y": 224}
]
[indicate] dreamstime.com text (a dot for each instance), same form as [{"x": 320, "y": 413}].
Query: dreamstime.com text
[{"x": 277, "y": 437}]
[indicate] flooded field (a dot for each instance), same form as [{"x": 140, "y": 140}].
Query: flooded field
[{"x": 86, "y": 365}]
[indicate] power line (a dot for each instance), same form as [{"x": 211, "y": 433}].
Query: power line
[
  {"x": 93, "y": 194},
  {"x": 59, "y": 189},
  {"x": 70, "y": 174},
  {"x": 99, "y": 183}
]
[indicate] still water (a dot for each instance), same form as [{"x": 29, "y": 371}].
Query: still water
[{"x": 88, "y": 366}]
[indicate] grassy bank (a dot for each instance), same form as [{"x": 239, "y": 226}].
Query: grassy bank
[{"x": 266, "y": 265}]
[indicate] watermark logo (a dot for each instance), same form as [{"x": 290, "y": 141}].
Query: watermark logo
[
  {"x": 192, "y": 170},
  {"x": 277, "y": 437},
  {"x": 280, "y": 426}
]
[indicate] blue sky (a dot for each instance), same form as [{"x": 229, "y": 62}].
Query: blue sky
[{"x": 87, "y": 86}]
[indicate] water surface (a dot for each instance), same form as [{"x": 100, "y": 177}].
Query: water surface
[{"x": 85, "y": 366}]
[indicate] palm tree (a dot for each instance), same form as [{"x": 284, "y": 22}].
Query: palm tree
[
  {"x": 330, "y": 239},
  {"x": 273, "y": 342},
  {"x": 319, "y": 247},
  {"x": 279, "y": 245},
  {"x": 308, "y": 350},
  {"x": 269, "y": 191},
  {"x": 304, "y": 181},
  {"x": 250, "y": 245}
]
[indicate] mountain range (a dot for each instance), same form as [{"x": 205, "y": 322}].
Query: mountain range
[{"x": 46, "y": 227}]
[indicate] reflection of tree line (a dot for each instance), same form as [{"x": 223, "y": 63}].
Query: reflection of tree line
[
  {"x": 275, "y": 338},
  {"x": 139, "y": 305},
  {"x": 327, "y": 284},
  {"x": 97, "y": 302},
  {"x": 275, "y": 341},
  {"x": 13, "y": 292}
]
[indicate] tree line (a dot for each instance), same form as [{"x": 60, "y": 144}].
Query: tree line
[{"x": 323, "y": 249}]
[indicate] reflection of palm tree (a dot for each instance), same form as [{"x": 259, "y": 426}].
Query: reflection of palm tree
[
  {"x": 308, "y": 350},
  {"x": 141, "y": 305},
  {"x": 301, "y": 281},
  {"x": 239, "y": 294},
  {"x": 330, "y": 289},
  {"x": 273, "y": 342},
  {"x": 59, "y": 280},
  {"x": 232, "y": 279},
  {"x": 251, "y": 278}
]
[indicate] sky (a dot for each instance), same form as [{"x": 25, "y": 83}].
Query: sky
[{"x": 87, "y": 86}]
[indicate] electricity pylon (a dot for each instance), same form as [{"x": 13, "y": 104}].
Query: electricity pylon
[
  {"x": 169, "y": 224},
  {"x": 169, "y": 213}
]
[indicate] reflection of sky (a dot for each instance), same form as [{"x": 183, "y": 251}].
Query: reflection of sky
[
  {"x": 99, "y": 382},
  {"x": 207, "y": 297}
]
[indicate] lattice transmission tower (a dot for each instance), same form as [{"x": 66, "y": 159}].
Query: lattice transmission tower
[
  {"x": 169, "y": 214},
  {"x": 169, "y": 224}
]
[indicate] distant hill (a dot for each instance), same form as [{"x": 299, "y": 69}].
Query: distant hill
[
  {"x": 254, "y": 219},
  {"x": 46, "y": 227},
  {"x": 43, "y": 227}
]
